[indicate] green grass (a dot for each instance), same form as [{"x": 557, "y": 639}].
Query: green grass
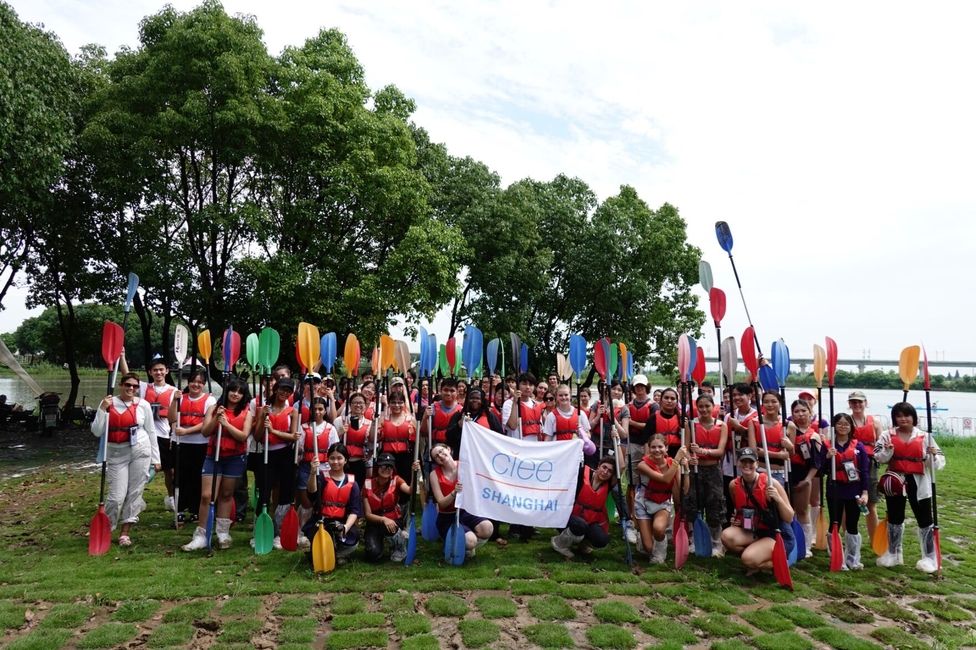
[
  {"x": 551, "y": 608},
  {"x": 410, "y": 624},
  {"x": 396, "y": 602},
  {"x": 357, "y": 621},
  {"x": 549, "y": 635},
  {"x": 294, "y": 606},
  {"x": 447, "y": 605},
  {"x": 297, "y": 630},
  {"x": 802, "y": 617},
  {"x": 109, "y": 635},
  {"x": 348, "y": 604},
  {"x": 66, "y": 616},
  {"x": 134, "y": 611},
  {"x": 782, "y": 641},
  {"x": 420, "y": 642},
  {"x": 477, "y": 633},
  {"x": 11, "y": 615},
  {"x": 615, "y": 611},
  {"x": 898, "y": 638},
  {"x": 842, "y": 640},
  {"x": 170, "y": 634},
  {"x": 848, "y": 611},
  {"x": 241, "y": 606},
  {"x": 666, "y": 607},
  {"x": 41, "y": 640},
  {"x": 891, "y": 610},
  {"x": 496, "y": 607},
  {"x": 357, "y": 639},
  {"x": 767, "y": 620},
  {"x": 710, "y": 602},
  {"x": 606, "y": 635},
  {"x": 719, "y": 626},
  {"x": 944, "y": 610},
  {"x": 187, "y": 612},
  {"x": 239, "y": 630},
  {"x": 668, "y": 630}
]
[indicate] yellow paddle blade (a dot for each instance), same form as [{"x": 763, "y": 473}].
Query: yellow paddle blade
[
  {"x": 387, "y": 349},
  {"x": 820, "y": 541},
  {"x": 819, "y": 366},
  {"x": 908, "y": 365},
  {"x": 401, "y": 357},
  {"x": 351, "y": 356},
  {"x": 323, "y": 551},
  {"x": 374, "y": 362},
  {"x": 204, "y": 348},
  {"x": 308, "y": 344},
  {"x": 879, "y": 540}
]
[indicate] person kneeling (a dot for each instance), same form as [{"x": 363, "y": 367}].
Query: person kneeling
[
  {"x": 589, "y": 524},
  {"x": 445, "y": 486},
  {"x": 382, "y": 511},
  {"x": 760, "y": 505},
  {"x": 338, "y": 502}
]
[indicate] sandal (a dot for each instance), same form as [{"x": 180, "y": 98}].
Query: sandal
[
  {"x": 125, "y": 541},
  {"x": 501, "y": 541}
]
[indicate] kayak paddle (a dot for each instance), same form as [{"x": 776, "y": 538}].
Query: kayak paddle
[
  {"x": 927, "y": 384},
  {"x": 100, "y": 528},
  {"x": 748, "y": 346},
  {"x": 716, "y": 304},
  {"x": 230, "y": 349},
  {"x": 454, "y": 542},
  {"x": 725, "y": 241},
  {"x": 908, "y": 368},
  {"x": 781, "y": 566},
  {"x": 327, "y": 351},
  {"x": 205, "y": 350},
  {"x": 323, "y": 549},
  {"x": 730, "y": 360},
  {"x": 819, "y": 366},
  {"x": 212, "y": 511},
  {"x": 705, "y": 275},
  {"x": 351, "y": 357}
]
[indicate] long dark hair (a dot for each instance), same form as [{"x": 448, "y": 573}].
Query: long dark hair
[{"x": 236, "y": 384}]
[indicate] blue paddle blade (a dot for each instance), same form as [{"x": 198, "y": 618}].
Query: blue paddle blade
[
  {"x": 428, "y": 522},
  {"x": 466, "y": 349},
  {"x": 767, "y": 378},
  {"x": 492, "y": 354},
  {"x": 457, "y": 557},
  {"x": 431, "y": 353},
  {"x": 724, "y": 236},
  {"x": 411, "y": 542},
  {"x": 800, "y": 548},
  {"x": 423, "y": 351},
  {"x": 577, "y": 354},
  {"x": 449, "y": 545},
  {"x": 477, "y": 350},
  {"x": 702, "y": 537},
  {"x": 781, "y": 361},
  {"x": 130, "y": 292},
  {"x": 693, "y": 358},
  {"x": 630, "y": 365},
  {"x": 524, "y": 358},
  {"x": 211, "y": 517},
  {"x": 327, "y": 351}
]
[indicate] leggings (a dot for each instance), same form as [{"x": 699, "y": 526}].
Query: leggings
[
  {"x": 191, "y": 468},
  {"x": 358, "y": 469},
  {"x": 281, "y": 473},
  {"x": 839, "y": 508},
  {"x": 592, "y": 533},
  {"x": 921, "y": 509}
]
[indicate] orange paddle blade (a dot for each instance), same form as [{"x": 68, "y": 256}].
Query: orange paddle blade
[
  {"x": 350, "y": 356},
  {"x": 308, "y": 344},
  {"x": 203, "y": 345},
  {"x": 908, "y": 365},
  {"x": 879, "y": 540},
  {"x": 831, "y": 359},
  {"x": 401, "y": 357},
  {"x": 819, "y": 364},
  {"x": 387, "y": 348}
]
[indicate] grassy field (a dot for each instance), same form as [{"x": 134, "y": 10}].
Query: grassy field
[{"x": 153, "y": 595}]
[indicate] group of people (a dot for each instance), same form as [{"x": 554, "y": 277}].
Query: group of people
[{"x": 350, "y": 457}]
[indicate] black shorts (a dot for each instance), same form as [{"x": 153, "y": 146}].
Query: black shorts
[{"x": 166, "y": 453}]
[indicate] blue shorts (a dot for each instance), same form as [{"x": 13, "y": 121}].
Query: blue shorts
[
  {"x": 228, "y": 466},
  {"x": 304, "y": 471},
  {"x": 446, "y": 519}
]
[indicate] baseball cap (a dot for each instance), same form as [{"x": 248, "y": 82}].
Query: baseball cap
[
  {"x": 285, "y": 383},
  {"x": 748, "y": 453},
  {"x": 640, "y": 379},
  {"x": 807, "y": 395},
  {"x": 857, "y": 396},
  {"x": 386, "y": 460}
]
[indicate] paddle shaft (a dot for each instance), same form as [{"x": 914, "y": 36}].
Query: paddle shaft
[
  {"x": 742, "y": 295},
  {"x": 928, "y": 419},
  {"x": 213, "y": 483}
]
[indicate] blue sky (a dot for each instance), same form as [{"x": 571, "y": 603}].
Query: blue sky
[{"x": 835, "y": 138}]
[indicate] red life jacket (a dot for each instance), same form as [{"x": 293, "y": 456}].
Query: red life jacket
[
  {"x": 670, "y": 427},
  {"x": 865, "y": 435},
  {"x": 640, "y": 413},
  {"x": 801, "y": 439},
  {"x": 163, "y": 398},
  {"x": 335, "y": 498},
  {"x": 908, "y": 457},
  {"x": 447, "y": 486},
  {"x": 229, "y": 446},
  {"x": 848, "y": 455},
  {"x": 774, "y": 437},
  {"x": 741, "y": 500},
  {"x": 591, "y": 505},
  {"x": 356, "y": 439},
  {"x": 483, "y": 421},
  {"x": 531, "y": 419},
  {"x": 566, "y": 428},
  {"x": 742, "y": 437},
  {"x": 308, "y": 444},
  {"x": 694, "y": 411},
  {"x": 708, "y": 439},
  {"x": 120, "y": 423},
  {"x": 396, "y": 437},
  {"x": 385, "y": 505},
  {"x": 495, "y": 411},
  {"x": 370, "y": 412},
  {"x": 442, "y": 418},
  {"x": 192, "y": 410},
  {"x": 657, "y": 491},
  {"x": 280, "y": 421}
]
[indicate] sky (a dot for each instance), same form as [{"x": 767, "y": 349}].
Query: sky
[{"x": 835, "y": 138}]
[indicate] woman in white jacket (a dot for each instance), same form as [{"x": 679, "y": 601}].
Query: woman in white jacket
[
  {"x": 911, "y": 455},
  {"x": 130, "y": 449}
]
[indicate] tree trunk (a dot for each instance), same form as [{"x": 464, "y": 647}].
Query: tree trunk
[
  {"x": 145, "y": 324},
  {"x": 66, "y": 322}
]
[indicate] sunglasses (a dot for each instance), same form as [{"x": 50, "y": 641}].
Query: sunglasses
[
  {"x": 550, "y": 399},
  {"x": 132, "y": 386}
]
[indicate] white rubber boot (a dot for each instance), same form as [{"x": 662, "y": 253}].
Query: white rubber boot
[
  {"x": 660, "y": 551},
  {"x": 199, "y": 541},
  {"x": 562, "y": 542},
  {"x": 926, "y": 543},
  {"x": 718, "y": 548},
  {"x": 223, "y": 533},
  {"x": 852, "y": 551},
  {"x": 808, "y": 533},
  {"x": 893, "y": 556}
]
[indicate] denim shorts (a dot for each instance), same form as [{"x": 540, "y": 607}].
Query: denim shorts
[{"x": 227, "y": 466}]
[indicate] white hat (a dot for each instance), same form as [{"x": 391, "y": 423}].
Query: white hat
[{"x": 639, "y": 379}]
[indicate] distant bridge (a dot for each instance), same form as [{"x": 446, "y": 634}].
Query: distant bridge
[{"x": 861, "y": 364}]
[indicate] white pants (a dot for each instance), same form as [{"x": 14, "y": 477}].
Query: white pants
[{"x": 127, "y": 473}]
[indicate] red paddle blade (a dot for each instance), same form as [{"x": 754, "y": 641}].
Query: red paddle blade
[
  {"x": 699, "y": 373},
  {"x": 99, "y": 533},
  {"x": 927, "y": 381},
  {"x": 600, "y": 353},
  {"x": 831, "y": 360},
  {"x": 836, "y": 551},
  {"x": 716, "y": 300},
  {"x": 113, "y": 339},
  {"x": 748, "y": 348},
  {"x": 450, "y": 350},
  {"x": 781, "y": 567},
  {"x": 680, "y": 543},
  {"x": 289, "y": 530},
  {"x": 231, "y": 348}
]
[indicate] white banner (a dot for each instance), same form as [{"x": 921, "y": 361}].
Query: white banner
[{"x": 516, "y": 481}]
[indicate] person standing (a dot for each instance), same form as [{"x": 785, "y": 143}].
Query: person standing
[
  {"x": 192, "y": 447},
  {"x": 846, "y": 462},
  {"x": 867, "y": 430}
]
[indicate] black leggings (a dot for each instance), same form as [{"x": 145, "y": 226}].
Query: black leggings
[
  {"x": 921, "y": 509},
  {"x": 191, "y": 467},
  {"x": 281, "y": 473},
  {"x": 848, "y": 508},
  {"x": 592, "y": 533},
  {"x": 358, "y": 469}
]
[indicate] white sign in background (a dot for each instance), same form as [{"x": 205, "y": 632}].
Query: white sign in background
[{"x": 515, "y": 481}]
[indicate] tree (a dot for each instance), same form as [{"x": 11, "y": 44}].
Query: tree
[{"x": 36, "y": 128}]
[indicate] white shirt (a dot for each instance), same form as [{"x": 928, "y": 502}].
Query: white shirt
[{"x": 145, "y": 434}]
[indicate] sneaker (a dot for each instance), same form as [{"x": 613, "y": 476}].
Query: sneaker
[
  {"x": 470, "y": 553},
  {"x": 276, "y": 543},
  {"x": 169, "y": 504},
  {"x": 630, "y": 532},
  {"x": 303, "y": 543}
]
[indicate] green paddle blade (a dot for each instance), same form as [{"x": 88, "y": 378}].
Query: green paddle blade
[
  {"x": 263, "y": 533},
  {"x": 269, "y": 347},
  {"x": 252, "y": 347},
  {"x": 612, "y": 370},
  {"x": 442, "y": 361}
]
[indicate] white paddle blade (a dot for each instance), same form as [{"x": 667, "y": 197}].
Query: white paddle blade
[{"x": 180, "y": 343}]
